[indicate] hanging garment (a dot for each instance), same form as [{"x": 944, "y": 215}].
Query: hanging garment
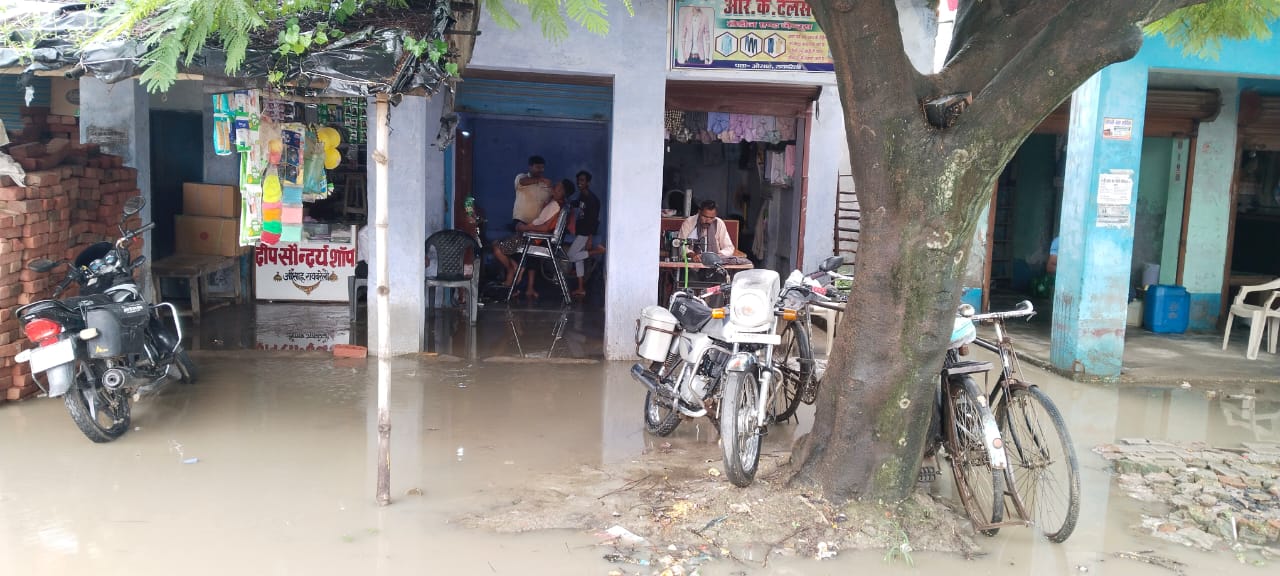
[
  {"x": 787, "y": 129},
  {"x": 790, "y": 154},
  {"x": 717, "y": 122},
  {"x": 695, "y": 123},
  {"x": 766, "y": 129},
  {"x": 673, "y": 122},
  {"x": 778, "y": 168},
  {"x": 740, "y": 124},
  {"x": 762, "y": 226}
]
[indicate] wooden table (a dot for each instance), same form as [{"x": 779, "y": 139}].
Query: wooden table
[
  {"x": 670, "y": 272},
  {"x": 195, "y": 269}
]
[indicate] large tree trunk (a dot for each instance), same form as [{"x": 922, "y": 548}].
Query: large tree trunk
[{"x": 922, "y": 189}]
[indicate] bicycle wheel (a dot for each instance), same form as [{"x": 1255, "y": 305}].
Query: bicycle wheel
[
  {"x": 981, "y": 488},
  {"x": 1042, "y": 460},
  {"x": 794, "y": 360}
]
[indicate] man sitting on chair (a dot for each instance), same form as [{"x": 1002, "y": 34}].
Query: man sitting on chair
[
  {"x": 545, "y": 223},
  {"x": 706, "y": 226}
]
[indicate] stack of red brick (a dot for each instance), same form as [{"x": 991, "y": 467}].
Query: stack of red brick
[{"x": 73, "y": 197}]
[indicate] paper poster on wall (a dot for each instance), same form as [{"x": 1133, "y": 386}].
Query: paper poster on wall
[
  {"x": 1117, "y": 128},
  {"x": 747, "y": 35},
  {"x": 1115, "y": 194}
]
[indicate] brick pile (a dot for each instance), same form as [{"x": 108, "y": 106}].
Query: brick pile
[{"x": 73, "y": 197}]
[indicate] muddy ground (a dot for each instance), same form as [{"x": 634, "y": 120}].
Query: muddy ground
[{"x": 672, "y": 510}]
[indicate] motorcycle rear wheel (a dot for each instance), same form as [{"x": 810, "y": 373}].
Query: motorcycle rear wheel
[
  {"x": 110, "y": 417},
  {"x": 185, "y": 366},
  {"x": 661, "y": 416}
]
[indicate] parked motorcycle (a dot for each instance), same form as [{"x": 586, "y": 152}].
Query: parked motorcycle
[
  {"x": 716, "y": 362},
  {"x": 100, "y": 349}
]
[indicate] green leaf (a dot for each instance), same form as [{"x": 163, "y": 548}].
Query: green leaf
[
  {"x": 1200, "y": 29},
  {"x": 451, "y": 68}
]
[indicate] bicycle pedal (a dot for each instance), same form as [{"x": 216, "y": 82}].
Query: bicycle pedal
[{"x": 927, "y": 475}]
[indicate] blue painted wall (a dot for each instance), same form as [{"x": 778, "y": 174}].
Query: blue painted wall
[
  {"x": 502, "y": 149},
  {"x": 1236, "y": 58}
]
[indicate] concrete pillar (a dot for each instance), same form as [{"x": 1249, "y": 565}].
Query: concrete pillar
[
  {"x": 117, "y": 117},
  {"x": 414, "y": 123},
  {"x": 634, "y": 207},
  {"x": 1211, "y": 207},
  {"x": 1095, "y": 246}
]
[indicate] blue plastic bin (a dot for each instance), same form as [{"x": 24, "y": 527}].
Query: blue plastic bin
[{"x": 1167, "y": 309}]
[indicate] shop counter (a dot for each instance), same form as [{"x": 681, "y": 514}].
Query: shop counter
[{"x": 313, "y": 270}]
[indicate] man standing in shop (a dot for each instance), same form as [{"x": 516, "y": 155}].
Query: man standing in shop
[
  {"x": 587, "y": 227},
  {"x": 533, "y": 190},
  {"x": 706, "y": 226}
]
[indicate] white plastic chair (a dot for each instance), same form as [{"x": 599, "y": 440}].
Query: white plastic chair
[{"x": 1259, "y": 317}]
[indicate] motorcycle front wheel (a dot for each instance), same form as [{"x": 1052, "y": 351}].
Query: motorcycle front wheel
[
  {"x": 102, "y": 415},
  {"x": 739, "y": 436}
]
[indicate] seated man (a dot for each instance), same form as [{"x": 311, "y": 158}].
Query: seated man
[
  {"x": 544, "y": 223},
  {"x": 706, "y": 226}
]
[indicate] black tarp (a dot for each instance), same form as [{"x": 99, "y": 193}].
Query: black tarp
[{"x": 367, "y": 60}]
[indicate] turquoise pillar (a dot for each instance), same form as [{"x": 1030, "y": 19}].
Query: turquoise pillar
[{"x": 1095, "y": 246}]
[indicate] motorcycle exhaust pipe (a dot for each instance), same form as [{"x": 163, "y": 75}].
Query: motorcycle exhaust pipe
[
  {"x": 114, "y": 378},
  {"x": 650, "y": 381}
]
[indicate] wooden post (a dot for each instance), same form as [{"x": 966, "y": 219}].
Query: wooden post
[{"x": 383, "y": 302}]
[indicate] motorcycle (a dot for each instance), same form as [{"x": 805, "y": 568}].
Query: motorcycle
[
  {"x": 100, "y": 349},
  {"x": 716, "y": 362}
]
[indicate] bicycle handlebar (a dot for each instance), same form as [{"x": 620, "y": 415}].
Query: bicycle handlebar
[{"x": 1024, "y": 310}]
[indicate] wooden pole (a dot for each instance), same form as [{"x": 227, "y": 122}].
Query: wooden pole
[{"x": 383, "y": 302}]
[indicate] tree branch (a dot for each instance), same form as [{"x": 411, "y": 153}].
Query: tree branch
[
  {"x": 871, "y": 62},
  {"x": 1081, "y": 40},
  {"x": 986, "y": 37}
]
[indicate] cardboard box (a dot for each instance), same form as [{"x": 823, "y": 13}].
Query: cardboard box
[
  {"x": 64, "y": 97},
  {"x": 207, "y": 235},
  {"x": 210, "y": 200}
]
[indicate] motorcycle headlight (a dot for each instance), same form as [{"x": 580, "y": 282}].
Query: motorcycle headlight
[{"x": 750, "y": 309}]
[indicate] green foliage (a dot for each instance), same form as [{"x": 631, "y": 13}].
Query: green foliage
[
  {"x": 553, "y": 16},
  {"x": 292, "y": 41},
  {"x": 1200, "y": 29}
]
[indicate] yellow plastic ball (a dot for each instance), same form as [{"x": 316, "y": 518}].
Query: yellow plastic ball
[
  {"x": 332, "y": 159},
  {"x": 330, "y": 137}
]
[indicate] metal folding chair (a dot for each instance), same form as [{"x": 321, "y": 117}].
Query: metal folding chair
[{"x": 547, "y": 247}]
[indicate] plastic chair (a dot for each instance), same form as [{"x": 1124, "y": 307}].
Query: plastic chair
[
  {"x": 1259, "y": 317},
  {"x": 548, "y": 247},
  {"x": 451, "y": 254},
  {"x": 354, "y": 285}
]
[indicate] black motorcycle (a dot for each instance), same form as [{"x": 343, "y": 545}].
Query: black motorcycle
[{"x": 100, "y": 349}]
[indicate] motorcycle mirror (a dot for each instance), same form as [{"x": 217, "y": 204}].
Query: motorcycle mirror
[
  {"x": 965, "y": 310},
  {"x": 831, "y": 263},
  {"x": 709, "y": 259},
  {"x": 41, "y": 265},
  {"x": 133, "y": 206}
]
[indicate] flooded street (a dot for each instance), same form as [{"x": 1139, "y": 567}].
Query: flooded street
[{"x": 286, "y": 450}]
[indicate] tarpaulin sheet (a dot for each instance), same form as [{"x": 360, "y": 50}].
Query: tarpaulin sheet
[{"x": 363, "y": 62}]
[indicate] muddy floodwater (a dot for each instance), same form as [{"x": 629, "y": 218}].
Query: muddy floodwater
[{"x": 266, "y": 467}]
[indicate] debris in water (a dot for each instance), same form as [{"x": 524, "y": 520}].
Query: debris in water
[
  {"x": 1185, "y": 385},
  {"x": 191, "y": 461},
  {"x": 714, "y": 472},
  {"x": 620, "y": 533},
  {"x": 414, "y": 492},
  {"x": 1146, "y": 556},
  {"x": 826, "y": 550}
]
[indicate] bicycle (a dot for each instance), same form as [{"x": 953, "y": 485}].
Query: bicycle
[
  {"x": 1035, "y": 437},
  {"x": 793, "y": 358},
  {"x": 1011, "y": 446}
]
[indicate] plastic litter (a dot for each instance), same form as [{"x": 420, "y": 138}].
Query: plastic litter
[
  {"x": 620, "y": 533},
  {"x": 191, "y": 461}
]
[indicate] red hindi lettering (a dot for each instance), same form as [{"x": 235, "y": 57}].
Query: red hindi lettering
[
  {"x": 764, "y": 7},
  {"x": 737, "y": 6},
  {"x": 267, "y": 255},
  {"x": 322, "y": 256},
  {"x": 308, "y": 256},
  {"x": 289, "y": 255},
  {"x": 794, "y": 8}
]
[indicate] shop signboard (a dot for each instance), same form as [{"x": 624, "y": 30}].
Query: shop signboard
[
  {"x": 304, "y": 271},
  {"x": 777, "y": 35}
]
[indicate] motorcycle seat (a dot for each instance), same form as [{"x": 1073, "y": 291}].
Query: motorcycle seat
[{"x": 69, "y": 304}]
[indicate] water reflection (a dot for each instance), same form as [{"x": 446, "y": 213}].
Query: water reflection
[{"x": 287, "y": 452}]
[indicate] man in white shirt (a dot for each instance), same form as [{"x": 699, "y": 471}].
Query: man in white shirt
[
  {"x": 705, "y": 225},
  {"x": 544, "y": 223}
]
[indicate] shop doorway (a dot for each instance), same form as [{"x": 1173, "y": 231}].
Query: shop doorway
[{"x": 176, "y": 157}]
